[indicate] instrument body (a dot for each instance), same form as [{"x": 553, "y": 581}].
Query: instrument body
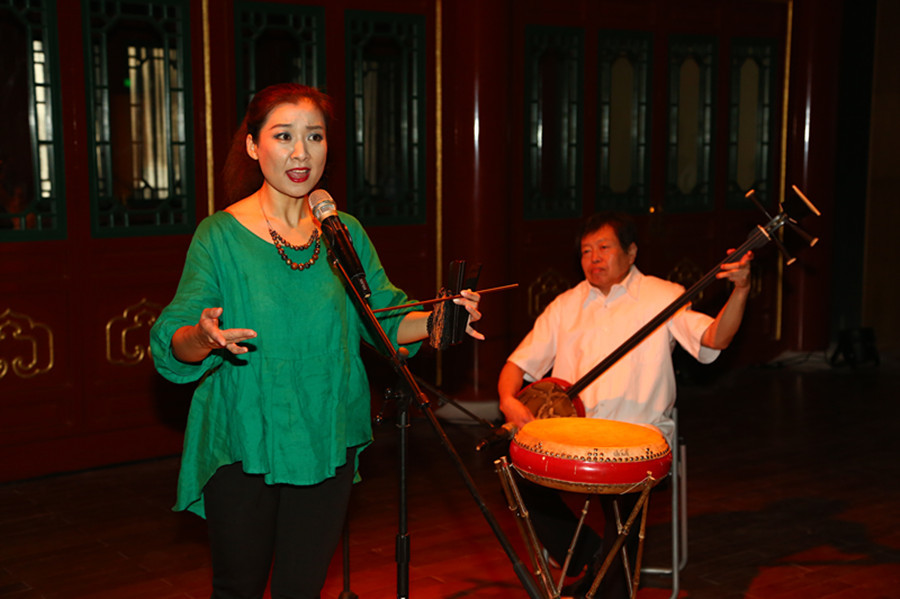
[
  {"x": 549, "y": 398},
  {"x": 590, "y": 455}
]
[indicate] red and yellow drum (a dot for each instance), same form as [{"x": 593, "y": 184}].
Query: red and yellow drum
[{"x": 590, "y": 455}]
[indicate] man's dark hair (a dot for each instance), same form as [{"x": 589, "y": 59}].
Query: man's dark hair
[{"x": 621, "y": 223}]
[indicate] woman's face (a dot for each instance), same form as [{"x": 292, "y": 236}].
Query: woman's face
[{"x": 292, "y": 148}]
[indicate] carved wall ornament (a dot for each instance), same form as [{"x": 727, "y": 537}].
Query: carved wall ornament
[
  {"x": 128, "y": 335},
  {"x": 26, "y": 346},
  {"x": 543, "y": 289},
  {"x": 686, "y": 273}
]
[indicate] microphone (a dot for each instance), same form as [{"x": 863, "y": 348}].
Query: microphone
[{"x": 338, "y": 238}]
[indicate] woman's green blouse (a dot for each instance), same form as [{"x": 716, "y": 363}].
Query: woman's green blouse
[{"x": 290, "y": 407}]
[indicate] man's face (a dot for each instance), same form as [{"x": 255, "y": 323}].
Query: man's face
[{"x": 603, "y": 259}]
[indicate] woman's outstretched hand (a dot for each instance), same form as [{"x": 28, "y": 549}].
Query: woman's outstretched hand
[
  {"x": 193, "y": 343},
  {"x": 216, "y": 338}
]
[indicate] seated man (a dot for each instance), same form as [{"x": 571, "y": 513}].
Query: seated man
[{"x": 575, "y": 332}]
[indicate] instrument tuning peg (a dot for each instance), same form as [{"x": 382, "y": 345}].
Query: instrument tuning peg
[
  {"x": 806, "y": 201},
  {"x": 751, "y": 195},
  {"x": 788, "y": 259},
  {"x": 810, "y": 239}
]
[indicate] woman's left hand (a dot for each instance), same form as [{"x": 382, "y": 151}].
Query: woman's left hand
[{"x": 470, "y": 300}]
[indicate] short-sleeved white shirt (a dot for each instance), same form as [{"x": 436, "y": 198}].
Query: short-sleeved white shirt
[{"x": 581, "y": 326}]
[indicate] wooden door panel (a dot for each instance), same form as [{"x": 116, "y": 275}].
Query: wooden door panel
[
  {"x": 683, "y": 243},
  {"x": 37, "y": 376}
]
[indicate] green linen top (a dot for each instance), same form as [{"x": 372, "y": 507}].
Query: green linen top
[{"x": 290, "y": 407}]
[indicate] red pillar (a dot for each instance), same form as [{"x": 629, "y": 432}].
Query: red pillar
[
  {"x": 811, "y": 165},
  {"x": 476, "y": 101}
]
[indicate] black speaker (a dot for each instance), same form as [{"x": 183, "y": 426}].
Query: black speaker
[{"x": 855, "y": 347}]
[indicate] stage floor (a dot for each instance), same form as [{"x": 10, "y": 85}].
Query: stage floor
[{"x": 792, "y": 483}]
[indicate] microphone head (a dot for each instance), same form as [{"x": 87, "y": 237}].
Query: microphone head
[{"x": 322, "y": 205}]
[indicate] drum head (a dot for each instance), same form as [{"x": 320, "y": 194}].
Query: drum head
[{"x": 590, "y": 455}]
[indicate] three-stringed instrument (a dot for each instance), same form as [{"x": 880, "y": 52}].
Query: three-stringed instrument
[{"x": 548, "y": 397}]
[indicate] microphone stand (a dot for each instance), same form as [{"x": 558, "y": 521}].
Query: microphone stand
[
  {"x": 445, "y": 400},
  {"x": 406, "y": 394},
  {"x": 346, "y": 593}
]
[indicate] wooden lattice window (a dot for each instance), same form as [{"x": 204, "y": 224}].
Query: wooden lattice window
[
  {"x": 386, "y": 104},
  {"x": 277, "y": 43},
  {"x": 750, "y": 120},
  {"x": 689, "y": 172},
  {"x": 624, "y": 121},
  {"x": 32, "y": 200},
  {"x": 554, "y": 66},
  {"x": 140, "y": 109}
]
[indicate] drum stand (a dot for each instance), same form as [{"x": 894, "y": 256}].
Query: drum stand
[
  {"x": 535, "y": 549},
  {"x": 407, "y": 392}
]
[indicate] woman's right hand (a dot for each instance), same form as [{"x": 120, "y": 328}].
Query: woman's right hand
[
  {"x": 193, "y": 343},
  {"x": 215, "y": 338}
]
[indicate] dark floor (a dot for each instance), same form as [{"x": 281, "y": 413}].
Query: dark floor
[{"x": 792, "y": 492}]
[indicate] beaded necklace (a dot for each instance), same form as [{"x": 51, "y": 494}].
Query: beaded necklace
[{"x": 280, "y": 243}]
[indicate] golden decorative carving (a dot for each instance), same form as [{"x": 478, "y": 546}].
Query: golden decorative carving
[
  {"x": 121, "y": 331},
  {"x": 756, "y": 283},
  {"x": 543, "y": 289},
  {"x": 18, "y": 330},
  {"x": 686, "y": 273}
]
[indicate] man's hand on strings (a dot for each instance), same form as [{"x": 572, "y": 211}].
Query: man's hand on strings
[{"x": 737, "y": 272}]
